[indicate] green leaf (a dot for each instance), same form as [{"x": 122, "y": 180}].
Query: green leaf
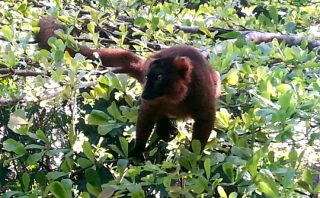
[
  {"x": 93, "y": 177},
  {"x": 7, "y": 33},
  {"x": 170, "y": 28},
  {"x": 207, "y": 167},
  {"x": 91, "y": 27},
  {"x": 305, "y": 186},
  {"x": 105, "y": 129},
  {"x": 55, "y": 175},
  {"x": 284, "y": 100},
  {"x": 87, "y": 195},
  {"x": 317, "y": 188},
  {"x": 58, "y": 57},
  {"x": 56, "y": 151},
  {"x": 154, "y": 22},
  {"x": 233, "y": 136},
  {"x": 136, "y": 191},
  {"x": 228, "y": 170},
  {"x": 41, "y": 178},
  {"x": 84, "y": 163},
  {"x": 230, "y": 35},
  {"x": 97, "y": 117},
  {"x": 34, "y": 158},
  {"x": 88, "y": 151},
  {"x": 233, "y": 78},
  {"x": 23, "y": 7},
  {"x": 113, "y": 81},
  {"x": 290, "y": 27},
  {"x": 140, "y": 21},
  {"x": 196, "y": 146},
  {"x": 123, "y": 28},
  {"x": 196, "y": 188},
  {"x": 307, "y": 176},
  {"x": 304, "y": 44},
  {"x": 114, "y": 111},
  {"x": 206, "y": 31},
  {"x": 10, "y": 59},
  {"x": 267, "y": 185},
  {"x": 42, "y": 136},
  {"x": 116, "y": 149},
  {"x": 265, "y": 112},
  {"x": 72, "y": 44},
  {"x": 293, "y": 157},
  {"x": 122, "y": 164},
  {"x": 253, "y": 162},
  {"x": 223, "y": 117},
  {"x": 12, "y": 194},
  {"x": 57, "y": 189},
  {"x": 221, "y": 192},
  {"x": 271, "y": 156},
  {"x": 241, "y": 41},
  {"x": 58, "y": 4},
  {"x": 243, "y": 153},
  {"x": 106, "y": 192},
  {"x": 233, "y": 195},
  {"x": 67, "y": 184},
  {"x": 274, "y": 14},
  {"x": 67, "y": 165},
  {"x": 14, "y": 146},
  {"x": 282, "y": 88},
  {"x": 25, "y": 181},
  {"x": 93, "y": 189},
  {"x": 57, "y": 75},
  {"x": 124, "y": 146}
]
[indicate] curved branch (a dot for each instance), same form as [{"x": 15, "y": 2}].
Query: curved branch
[
  {"x": 250, "y": 35},
  {"x": 257, "y": 36},
  {"x": 291, "y": 40}
]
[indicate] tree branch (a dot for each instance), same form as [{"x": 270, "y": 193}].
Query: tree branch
[
  {"x": 6, "y": 72},
  {"x": 250, "y": 35}
]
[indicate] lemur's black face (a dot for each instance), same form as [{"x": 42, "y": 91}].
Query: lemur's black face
[{"x": 159, "y": 78}]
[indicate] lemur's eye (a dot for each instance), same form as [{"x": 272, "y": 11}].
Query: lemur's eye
[{"x": 159, "y": 77}]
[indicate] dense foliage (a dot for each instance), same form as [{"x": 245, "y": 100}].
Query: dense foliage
[{"x": 67, "y": 123}]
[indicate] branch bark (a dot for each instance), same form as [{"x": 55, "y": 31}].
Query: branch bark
[
  {"x": 250, "y": 35},
  {"x": 6, "y": 72}
]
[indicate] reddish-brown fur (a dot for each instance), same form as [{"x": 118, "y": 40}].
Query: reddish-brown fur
[
  {"x": 194, "y": 95},
  {"x": 118, "y": 58}
]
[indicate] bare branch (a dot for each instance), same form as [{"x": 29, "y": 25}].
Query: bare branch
[
  {"x": 6, "y": 72},
  {"x": 257, "y": 36},
  {"x": 250, "y": 35},
  {"x": 291, "y": 40},
  {"x": 9, "y": 102}
]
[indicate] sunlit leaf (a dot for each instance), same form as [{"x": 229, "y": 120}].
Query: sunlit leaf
[
  {"x": 222, "y": 192},
  {"x": 267, "y": 185},
  {"x": 7, "y": 32},
  {"x": 207, "y": 167}
]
